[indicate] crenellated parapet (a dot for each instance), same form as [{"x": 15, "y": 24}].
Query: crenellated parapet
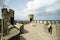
[
  {"x": 11, "y": 12},
  {"x": 7, "y": 17},
  {"x": 4, "y": 11},
  {"x": 46, "y": 22}
]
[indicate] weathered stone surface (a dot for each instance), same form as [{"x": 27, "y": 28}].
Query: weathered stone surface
[
  {"x": 12, "y": 33},
  {"x": 37, "y": 31},
  {"x": 4, "y": 21},
  {"x": 31, "y": 17}
]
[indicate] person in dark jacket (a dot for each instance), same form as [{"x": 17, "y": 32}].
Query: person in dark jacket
[{"x": 50, "y": 29}]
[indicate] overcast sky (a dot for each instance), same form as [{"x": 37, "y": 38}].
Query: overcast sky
[{"x": 42, "y": 9}]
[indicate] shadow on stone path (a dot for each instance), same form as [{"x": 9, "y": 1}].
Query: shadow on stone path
[{"x": 22, "y": 38}]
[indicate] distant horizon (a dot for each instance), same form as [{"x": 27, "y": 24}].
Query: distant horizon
[
  {"x": 38, "y": 20},
  {"x": 35, "y": 20}
]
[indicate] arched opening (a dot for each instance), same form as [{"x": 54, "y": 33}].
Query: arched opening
[
  {"x": 31, "y": 19},
  {"x": 12, "y": 20}
]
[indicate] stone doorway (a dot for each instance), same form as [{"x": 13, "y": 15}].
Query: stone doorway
[
  {"x": 31, "y": 19},
  {"x": 12, "y": 20}
]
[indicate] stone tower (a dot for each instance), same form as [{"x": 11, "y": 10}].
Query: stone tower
[
  {"x": 7, "y": 17},
  {"x": 4, "y": 21},
  {"x": 11, "y": 12},
  {"x": 31, "y": 17}
]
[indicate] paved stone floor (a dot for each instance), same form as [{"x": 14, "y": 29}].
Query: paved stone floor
[
  {"x": 36, "y": 32},
  {"x": 0, "y": 36}
]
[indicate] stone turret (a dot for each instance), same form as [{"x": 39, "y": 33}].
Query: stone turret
[
  {"x": 4, "y": 21},
  {"x": 7, "y": 17},
  {"x": 11, "y": 12},
  {"x": 31, "y": 17}
]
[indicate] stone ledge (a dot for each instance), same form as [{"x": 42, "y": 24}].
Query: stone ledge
[{"x": 13, "y": 32}]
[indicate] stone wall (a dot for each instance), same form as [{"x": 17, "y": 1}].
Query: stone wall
[
  {"x": 6, "y": 18},
  {"x": 46, "y": 22}
]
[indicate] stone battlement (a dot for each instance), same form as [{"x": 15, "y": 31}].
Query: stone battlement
[{"x": 46, "y": 22}]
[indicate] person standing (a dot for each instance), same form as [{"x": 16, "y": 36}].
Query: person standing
[{"x": 50, "y": 28}]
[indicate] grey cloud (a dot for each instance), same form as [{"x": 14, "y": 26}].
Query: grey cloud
[
  {"x": 55, "y": 6},
  {"x": 48, "y": 16},
  {"x": 54, "y": 15}
]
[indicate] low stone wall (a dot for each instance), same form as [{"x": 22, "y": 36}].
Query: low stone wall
[
  {"x": 13, "y": 33},
  {"x": 16, "y": 37},
  {"x": 22, "y": 29},
  {"x": 46, "y": 22}
]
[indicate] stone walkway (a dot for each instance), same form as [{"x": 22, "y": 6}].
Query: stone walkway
[
  {"x": 33, "y": 31},
  {"x": 0, "y": 36}
]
